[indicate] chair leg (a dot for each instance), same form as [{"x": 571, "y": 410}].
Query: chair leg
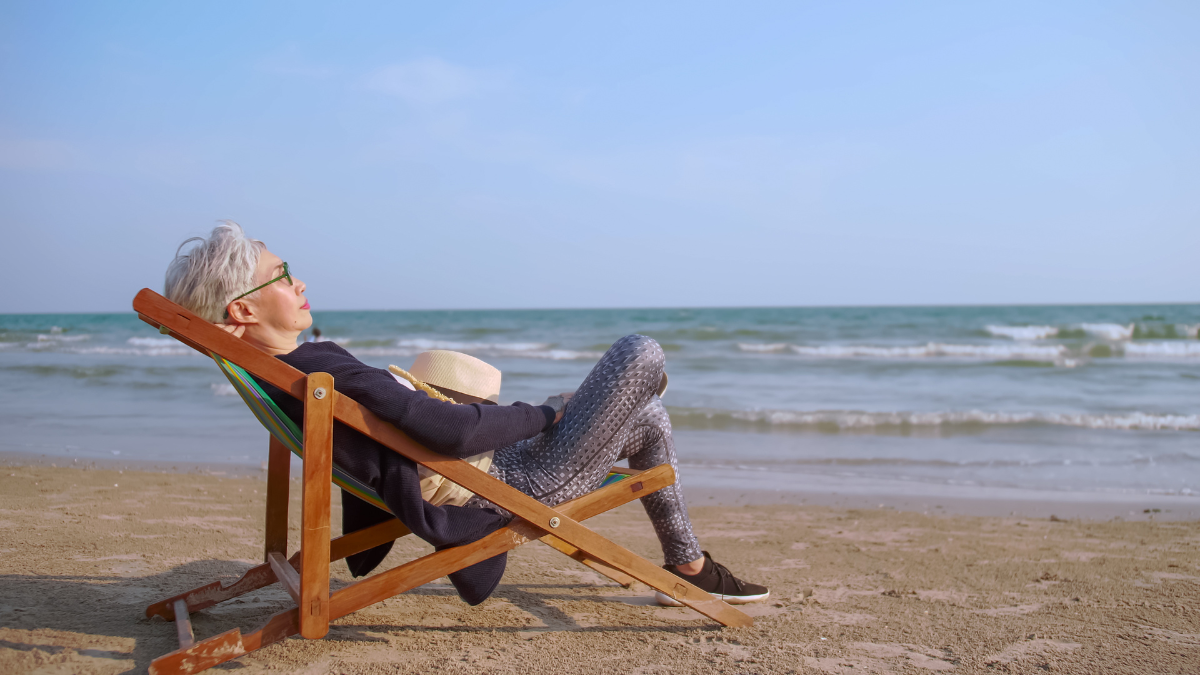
[
  {"x": 183, "y": 625},
  {"x": 263, "y": 575},
  {"x": 314, "y": 523},
  {"x": 279, "y": 465},
  {"x": 200, "y": 656},
  {"x": 286, "y": 574}
]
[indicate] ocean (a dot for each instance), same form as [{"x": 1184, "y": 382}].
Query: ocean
[{"x": 1028, "y": 401}]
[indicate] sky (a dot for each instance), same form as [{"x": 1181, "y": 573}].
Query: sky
[{"x": 544, "y": 155}]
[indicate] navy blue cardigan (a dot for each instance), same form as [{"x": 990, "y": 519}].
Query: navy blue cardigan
[{"x": 446, "y": 428}]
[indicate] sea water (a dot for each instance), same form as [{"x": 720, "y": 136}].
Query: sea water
[{"x": 930, "y": 400}]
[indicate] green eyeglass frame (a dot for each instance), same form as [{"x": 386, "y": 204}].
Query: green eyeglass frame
[{"x": 286, "y": 275}]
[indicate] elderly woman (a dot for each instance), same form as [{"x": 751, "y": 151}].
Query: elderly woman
[{"x": 553, "y": 452}]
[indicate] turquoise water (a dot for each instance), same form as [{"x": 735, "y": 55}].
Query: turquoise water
[{"x": 1098, "y": 399}]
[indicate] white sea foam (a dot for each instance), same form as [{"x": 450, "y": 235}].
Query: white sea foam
[
  {"x": 139, "y": 346},
  {"x": 565, "y": 355},
  {"x": 771, "y": 348},
  {"x": 152, "y": 342},
  {"x": 929, "y": 350},
  {"x": 424, "y": 344},
  {"x": 524, "y": 350},
  {"x": 49, "y": 342},
  {"x": 223, "y": 389},
  {"x": 850, "y": 420},
  {"x": 1023, "y": 333},
  {"x": 1109, "y": 331},
  {"x": 1163, "y": 350},
  {"x": 177, "y": 350},
  {"x": 53, "y": 337}
]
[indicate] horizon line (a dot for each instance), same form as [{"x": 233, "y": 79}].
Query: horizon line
[{"x": 699, "y": 307}]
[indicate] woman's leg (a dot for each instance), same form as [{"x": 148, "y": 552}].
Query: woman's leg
[
  {"x": 646, "y": 442},
  {"x": 615, "y": 414}
]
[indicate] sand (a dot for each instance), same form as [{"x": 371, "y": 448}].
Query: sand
[{"x": 854, "y": 590}]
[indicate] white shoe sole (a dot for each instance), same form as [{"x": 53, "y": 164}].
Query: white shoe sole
[{"x": 668, "y": 601}]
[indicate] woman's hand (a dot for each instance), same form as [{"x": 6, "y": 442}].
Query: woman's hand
[
  {"x": 559, "y": 403},
  {"x": 236, "y": 330}
]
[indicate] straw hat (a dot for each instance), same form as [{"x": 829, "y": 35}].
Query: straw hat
[
  {"x": 455, "y": 374},
  {"x": 455, "y": 377}
]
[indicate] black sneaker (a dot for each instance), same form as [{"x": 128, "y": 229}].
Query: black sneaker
[{"x": 717, "y": 580}]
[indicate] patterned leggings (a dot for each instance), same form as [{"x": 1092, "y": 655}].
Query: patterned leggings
[{"x": 614, "y": 415}]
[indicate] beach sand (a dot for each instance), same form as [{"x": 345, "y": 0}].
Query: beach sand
[{"x": 854, "y": 590}]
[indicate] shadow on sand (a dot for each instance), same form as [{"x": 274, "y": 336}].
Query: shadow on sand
[{"x": 97, "y": 607}]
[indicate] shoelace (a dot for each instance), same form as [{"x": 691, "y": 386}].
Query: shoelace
[{"x": 723, "y": 573}]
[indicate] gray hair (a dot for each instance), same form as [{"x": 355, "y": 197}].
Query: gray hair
[{"x": 206, "y": 278}]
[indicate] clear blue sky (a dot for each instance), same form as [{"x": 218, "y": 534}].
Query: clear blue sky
[{"x": 455, "y": 155}]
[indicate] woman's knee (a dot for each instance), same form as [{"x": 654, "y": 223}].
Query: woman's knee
[
  {"x": 655, "y": 413},
  {"x": 641, "y": 348}
]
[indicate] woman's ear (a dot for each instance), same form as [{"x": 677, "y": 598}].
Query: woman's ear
[{"x": 240, "y": 312}]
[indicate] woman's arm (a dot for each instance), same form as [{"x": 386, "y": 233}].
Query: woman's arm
[{"x": 446, "y": 428}]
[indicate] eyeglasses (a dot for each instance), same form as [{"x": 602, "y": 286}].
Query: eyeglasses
[{"x": 286, "y": 275}]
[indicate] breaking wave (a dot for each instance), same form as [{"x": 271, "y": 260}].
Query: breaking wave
[
  {"x": 928, "y": 350},
  {"x": 1020, "y": 353},
  {"x": 833, "y": 421},
  {"x": 1163, "y": 350},
  {"x": 1023, "y": 333},
  {"x": 1109, "y": 332}
]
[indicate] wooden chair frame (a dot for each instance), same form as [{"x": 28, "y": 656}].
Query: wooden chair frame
[{"x": 305, "y": 576}]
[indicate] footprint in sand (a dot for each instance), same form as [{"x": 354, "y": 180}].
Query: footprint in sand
[{"x": 1023, "y": 651}]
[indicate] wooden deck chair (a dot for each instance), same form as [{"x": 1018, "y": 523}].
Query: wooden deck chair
[{"x": 305, "y": 576}]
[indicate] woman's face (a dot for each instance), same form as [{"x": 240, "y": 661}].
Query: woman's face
[{"x": 280, "y": 307}]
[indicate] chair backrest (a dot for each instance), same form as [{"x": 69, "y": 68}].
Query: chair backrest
[{"x": 284, "y": 429}]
